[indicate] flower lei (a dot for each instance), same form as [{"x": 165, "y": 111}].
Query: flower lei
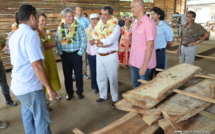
[
  {"x": 14, "y": 26},
  {"x": 102, "y": 30},
  {"x": 89, "y": 32},
  {"x": 128, "y": 30},
  {"x": 70, "y": 38},
  {"x": 47, "y": 38}
]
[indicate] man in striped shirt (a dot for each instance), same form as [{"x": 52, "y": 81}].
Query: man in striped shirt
[{"x": 71, "y": 46}]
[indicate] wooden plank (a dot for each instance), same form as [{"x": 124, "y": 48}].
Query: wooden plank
[
  {"x": 151, "y": 119},
  {"x": 77, "y": 131},
  {"x": 194, "y": 96},
  {"x": 140, "y": 101},
  {"x": 180, "y": 107},
  {"x": 149, "y": 95},
  {"x": 198, "y": 123},
  {"x": 124, "y": 125},
  {"x": 157, "y": 88},
  {"x": 125, "y": 105},
  {"x": 207, "y": 115}
]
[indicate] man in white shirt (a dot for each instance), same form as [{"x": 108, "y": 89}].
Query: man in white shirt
[
  {"x": 106, "y": 37},
  {"x": 28, "y": 74}
]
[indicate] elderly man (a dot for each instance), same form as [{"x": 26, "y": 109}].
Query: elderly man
[
  {"x": 91, "y": 50},
  {"x": 71, "y": 44},
  {"x": 164, "y": 37},
  {"x": 106, "y": 37},
  {"x": 85, "y": 23},
  {"x": 190, "y": 37},
  {"x": 28, "y": 74},
  {"x": 142, "y": 56}
]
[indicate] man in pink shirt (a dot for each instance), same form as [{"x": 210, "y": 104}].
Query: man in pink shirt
[{"x": 142, "y": 57}]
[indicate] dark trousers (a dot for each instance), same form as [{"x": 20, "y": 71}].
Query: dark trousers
[
  {"x": 72, "y": 61},
  {"x": 161, "y": 59},
  {"x": 3, "y": 83},
  {"x": 92, "y": 63}
]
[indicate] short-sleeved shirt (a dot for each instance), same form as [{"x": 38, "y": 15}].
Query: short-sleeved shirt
[
  {"x": 164, "y": 35},
  {"x": 7, "y": 50},
  {"x": 25, "y": 48},
  {"x": 192, "y": 33},
  {"x": 83, "y": 21},
  {"x": 142, "y": 33}
]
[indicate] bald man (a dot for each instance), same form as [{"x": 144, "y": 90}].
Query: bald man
[
  {"x": 85, "y": 23},
  {"x": 142, "y": 57}
]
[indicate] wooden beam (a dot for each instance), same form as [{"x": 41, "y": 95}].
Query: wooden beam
[
  {"x": 194, "y": 96},
  {"x": 170, "y": 121},
  {"x": 143, "y": 81},
  {"x": 208, "y": 115},
  {"x": 204, "y": 76},
  {"x": 77, "y": 131},
  {"x": 201, "y": 56}
]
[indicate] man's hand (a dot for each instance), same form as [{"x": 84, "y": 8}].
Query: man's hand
[
  {"x": 142, "y": 70},
  {"x": 92, "y": 42},
  {"x": 99, "y": 43},
  {"x": 194, "y": 43},
  {"x": 179, "y": 51},
  {"x": 52, "y": 94}
]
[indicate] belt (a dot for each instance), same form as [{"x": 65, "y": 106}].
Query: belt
[
  {"x": 107, "y": 53},
  {"x": 70, "y": 52},
  {"x": 186, "y": 45},
  {"x": 160, "y": 49}
]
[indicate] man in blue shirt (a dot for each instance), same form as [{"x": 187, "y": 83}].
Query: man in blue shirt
[
  {"x": 164, "y": 38},
  {"x": 85, "y": 23},
  {"x": 71, "y": 44}
]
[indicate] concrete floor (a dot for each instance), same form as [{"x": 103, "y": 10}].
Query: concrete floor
[{"x": 86, "y": 114}]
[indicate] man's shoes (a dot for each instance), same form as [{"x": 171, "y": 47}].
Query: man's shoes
[
  {"x": 86, "y": 76},
  {"x": 12, "y": 103},
  {"x": 68, "y": 97},
  {"x": 113, "y": 106},
  {"x": 100, "y": 100},
  {"x": 81, "y": 96},
  {"x": 3, "y": 124}
]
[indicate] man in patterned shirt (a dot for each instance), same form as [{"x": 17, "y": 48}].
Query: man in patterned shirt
[
  {"x": 71, "y": 44},
  {"x": 190, "y": 37}
]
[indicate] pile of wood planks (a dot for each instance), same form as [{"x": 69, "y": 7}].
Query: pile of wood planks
[{"x": 177, "y": 100}]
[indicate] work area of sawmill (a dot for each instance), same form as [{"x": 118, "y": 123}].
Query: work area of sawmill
[{"x": 107, "y": 67}]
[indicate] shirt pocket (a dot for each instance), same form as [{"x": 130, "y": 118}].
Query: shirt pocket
[{"x": 193, "y": 33}]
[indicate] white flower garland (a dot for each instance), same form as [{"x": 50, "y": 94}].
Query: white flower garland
[
  {"x": 102, "y": 30},
  {"x": 70, "y": 38}
]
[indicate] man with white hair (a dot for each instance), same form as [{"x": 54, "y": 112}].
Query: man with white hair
[
  {"x": 71, "y": 44},
  {"x": 91, "y": 50},
  {"x": 142, "y": 55}
]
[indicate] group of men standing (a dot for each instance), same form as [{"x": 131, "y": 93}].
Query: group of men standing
[{"x": 149, "y": 42}]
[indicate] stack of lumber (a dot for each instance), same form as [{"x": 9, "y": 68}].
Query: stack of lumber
[
  {"x": 154, "y": 105},
  {"x": 160, "y": 104},
  {"x": 173, "y": 113}
]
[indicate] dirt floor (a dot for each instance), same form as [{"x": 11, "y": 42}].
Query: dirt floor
[{"x": 86, "y": 114}]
